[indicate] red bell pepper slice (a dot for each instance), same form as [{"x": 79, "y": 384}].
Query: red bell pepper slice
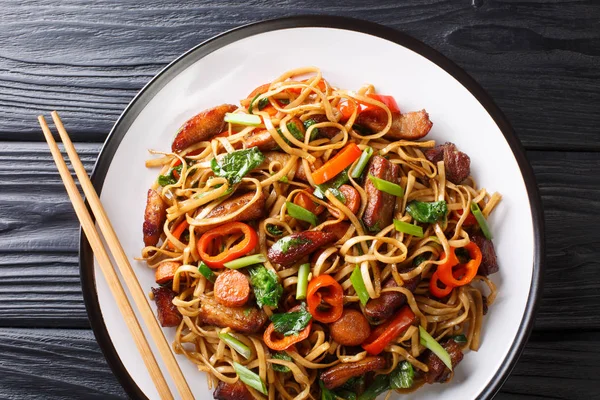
[
  {"x": 245, "y": 246},
  {"x": 325, "y": 299},
  {"x": 278, "y": 342},
  {"x": 446, "y": 273},
  {"x": 384, "y": 334}
]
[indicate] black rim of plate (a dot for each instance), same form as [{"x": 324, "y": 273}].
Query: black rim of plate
[{"x": 162, "y": 78}]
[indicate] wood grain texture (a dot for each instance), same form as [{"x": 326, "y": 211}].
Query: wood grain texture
[
  {"x": 78, "y": 370},
  {"x": 43, "y": 240},
  {"x": 538, "y": 59}
]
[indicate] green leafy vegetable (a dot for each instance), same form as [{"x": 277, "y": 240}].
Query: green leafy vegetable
[
  {"x": 236, "y": 345},
  {"x": 274, "y": 230},
  {"x": 335, "y": 183},
  {"x": 437, "y": 349},
  {"x": 245, "y": 261},
  {"x": 407, "y": 228},
  {"x": 267, "y": 288},
  {"x": 460, "y": 339},
  {"x": 262, "y": 103},
  {"x": 252, "y": 103},
  {"x": 427, "y": 212},
  {"x": 234, "y": 166},
  {"x": 281, "y": 356},
  {"x": 476, "y": 211},
  {"x": 302, "y": 284},
  {"x": 169, "y": 179},
  {"x": 339, "y": 394},
  {"x": 338, "y": 195},
  {"x": 283, "y": 245},
  {"x": 207, "y": 272},
  {"x": 402, "y": 377},
  {"x": 250, "y": 378},
  {"x": 387, "y": 186},
  {"x": 290, "y": 323},
  {"x": 359, "y": 286},
  {"x": 381, "y": 384},
  {"x": 362, "y": 162},
  {"x": 295, "y": 131},
  {"x": 315, "y": 132},
  {"x": 301, "y": 213},
  {"x": 326, "y": 394},
  {"x": 418, "y": 260}
]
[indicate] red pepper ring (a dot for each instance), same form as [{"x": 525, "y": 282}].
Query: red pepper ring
[
  {"x": 384, "y": 334},
  {"x": 446, "y": 273},
  {"x": 325, "y": 289},
  {"x": 278, "y": 342},
  {"x": 436, "y": 290},
  {"x": 245, "y": 246}
]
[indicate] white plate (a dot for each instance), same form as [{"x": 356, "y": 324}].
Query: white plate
[{"x": 226, "y": 69}]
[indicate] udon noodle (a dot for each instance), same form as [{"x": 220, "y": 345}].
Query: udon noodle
[{"x": 194, "y": 196}]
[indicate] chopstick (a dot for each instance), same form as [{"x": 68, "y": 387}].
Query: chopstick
[{"x": 122, "y": 262}]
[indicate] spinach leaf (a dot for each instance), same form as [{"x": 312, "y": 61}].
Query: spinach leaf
[
  {"x": 284, "y": 244},
  {"x": 460, "y": 339},
  {"x": 326, "y": 394},
  {"x": 274, "y": 230},
  {"x": 262, "y": 103},
  {"x": 339, "y": 394},
  {"x": 315, "y": 133},
  {"x": 169, "y": 179},
  {"x": 381, "y": 384},
  {"x": 266, "y": 286},
  {"x": 335, "y": 183},
  {"x": 234, "y": 166},
  {"x": 281, "y": 356},
  {"x": 354, "y": 383},
  {"x": 290, "y": 323},
  {"x": 420, "y": 258},
  {"x": 402, "y": 376},
  {"x": 427, "y": 212},
  {"x": 295, "y": 131}
]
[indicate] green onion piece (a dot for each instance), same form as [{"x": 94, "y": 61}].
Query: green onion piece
[
  {"x": 460, "y": 339},
  {"x": 437, "y": 349},
  {"x": 236, "y": 345},
  {"x": 362, "y": 162},
  {"x": 301, "y": 213},
  {"x": 250, "y": 378},
  {"x": 243, "y": 119},
  {"x": 207, "y": 272},
  {"x": 387, "y": 186},
  {"x": 245, "y": 261},
  {"x": 407, "y": 228},
  {"x": 302, "y": 281},
  {"x": 476, "y": 211},
  {"x": 359, "y": 285},
  {"x": 252, "y": 103}
]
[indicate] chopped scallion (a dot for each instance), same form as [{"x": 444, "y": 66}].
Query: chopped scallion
[
  {"x": 409, "y": 229},
  {"x": 236, "y": 345},
  {"x": 476, "y": 211},
  {"x": 387, "y": 186},
  {"x": 362, "y": 162},
  {"x": 301, "y": 213},
  {"x": 245, "y": 261},
  {"x": 250, "y": 378},
  {"x": 243, "y": 119},
  {"x": 303, "y": 272},
  {"x": 207, "y": 272},
  {"x": 359, "y": 285},
  {"x": 428, "y": 341}
]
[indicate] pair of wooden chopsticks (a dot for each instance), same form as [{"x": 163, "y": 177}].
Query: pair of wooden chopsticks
[{"x": 122, "y": 262}]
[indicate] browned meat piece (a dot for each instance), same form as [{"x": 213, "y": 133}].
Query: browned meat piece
[
  {"x": 233, "y": 204},
  {"x": 339, "y": 374},
  {"x": 240, "y": 319},
  {"x": 301, "y": 174},
  {"x": 154, "y": 218},
  {"x": 457, "y": 163},
  {"x": 410, "y": 126},
  {"x": 380, "y": 205},
  {"x": 438, "y": 372},
  {"x": 339, "y": 229},
  {"x": 328, "y": 132},
  {"x": 292, "y": 248},
  {"x": 166, "y": 271},
  {"x": 385, "y": 306},
  {"x": 351, "y": 329},
  {"x": 263, "y": 140},
  {"x": 167, "y": 313},
  {"x": 275, "y": 156},
  {"x": 202, "y": 126},
  {"x": 232, "y": 391},
  {"x": 489, "y": 263}
]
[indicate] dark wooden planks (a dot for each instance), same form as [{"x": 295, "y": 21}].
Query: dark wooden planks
[
  {"x": 39, "y": 284},
  {"x": 539, "y": 60},
  {"x": 67, "y": 363}
]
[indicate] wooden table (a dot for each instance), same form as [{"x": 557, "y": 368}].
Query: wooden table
[{"x": 539, "y": 60}]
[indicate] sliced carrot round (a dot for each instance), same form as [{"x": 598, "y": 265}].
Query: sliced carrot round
[{"x": 232, "y": 289}]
